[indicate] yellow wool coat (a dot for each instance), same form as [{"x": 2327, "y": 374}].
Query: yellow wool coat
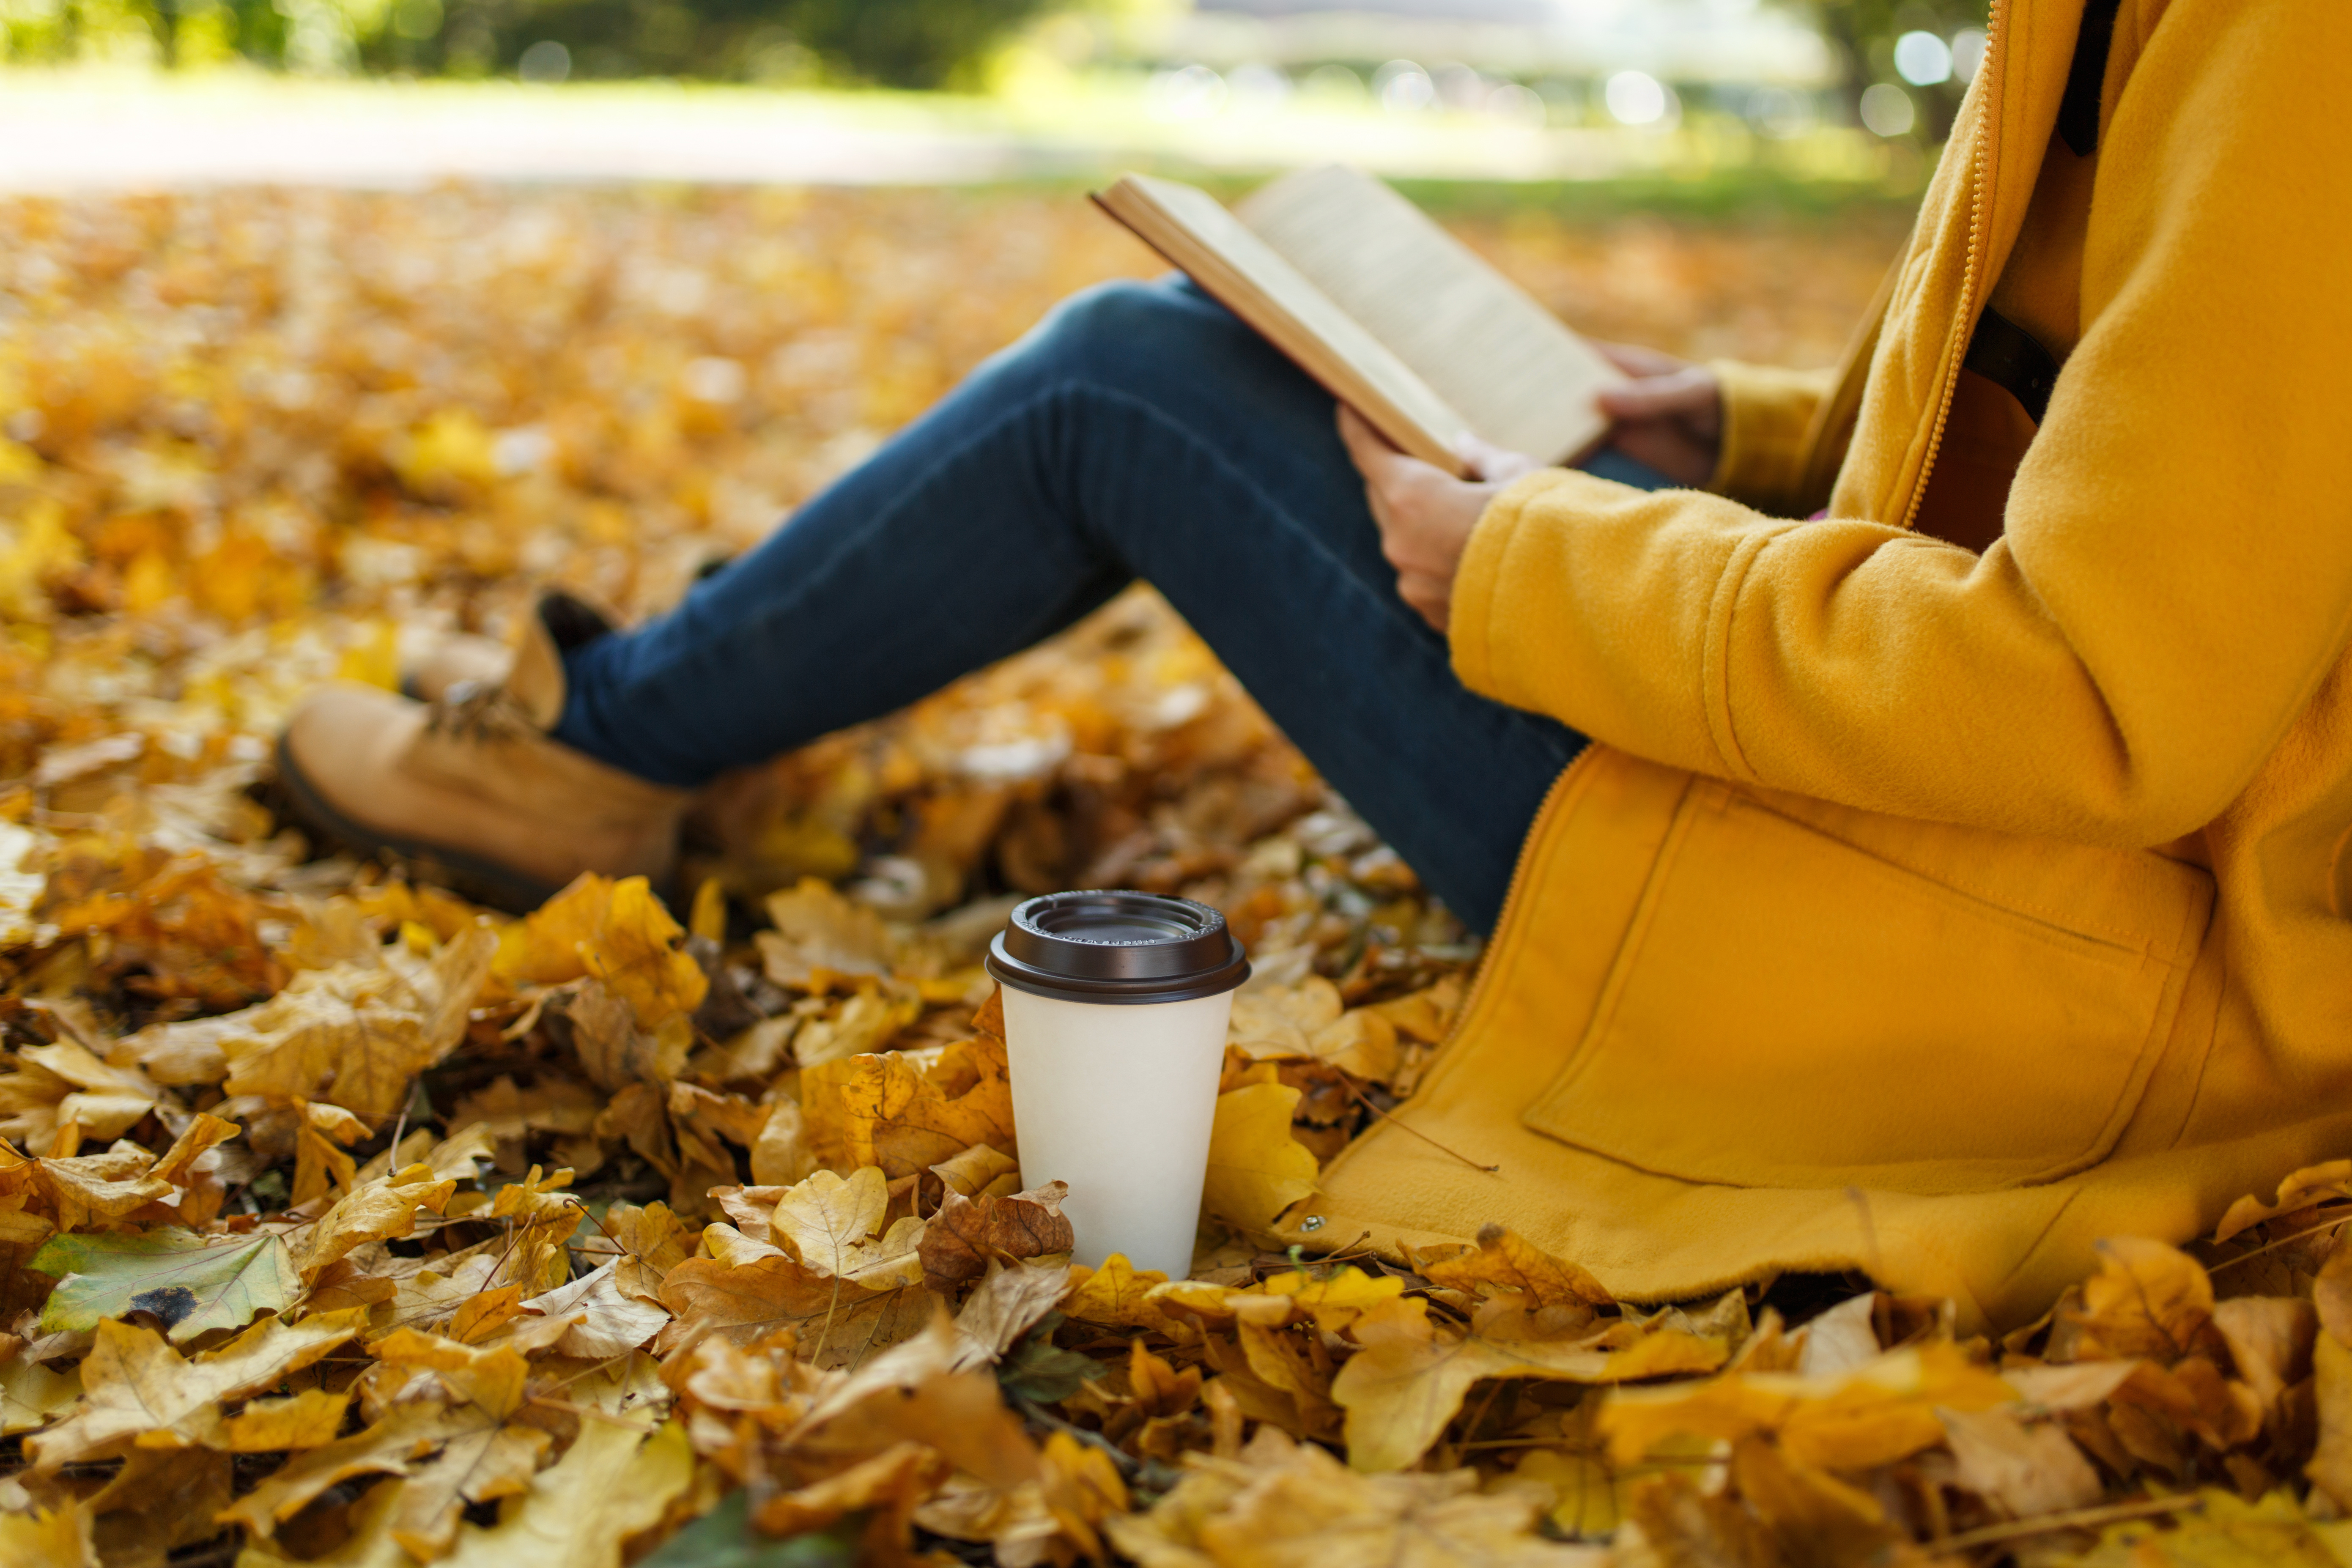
[{"x": 1923, "y": 911}]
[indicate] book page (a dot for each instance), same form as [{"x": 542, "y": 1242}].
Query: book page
[
  {"x": 1518, "y": 376},
  {"x": 1191, "y": 228}
]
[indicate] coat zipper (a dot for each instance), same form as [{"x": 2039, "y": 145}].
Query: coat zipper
[
  {"x": 1987, "y": 158},
  {"x": 1979, "y": 218}
]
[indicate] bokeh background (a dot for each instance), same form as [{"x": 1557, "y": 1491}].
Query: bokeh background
[{"x": 330, "y": 328}]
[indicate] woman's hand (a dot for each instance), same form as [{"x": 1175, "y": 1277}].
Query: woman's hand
[
  {"x": 1424, "y": 513},
  {"x": 1670, "y": 415}
]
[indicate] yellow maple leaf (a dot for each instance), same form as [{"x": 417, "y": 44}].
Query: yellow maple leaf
[
  {"x": 635, "y": 951},
  {"x": 1505, "y": 1261},
  {"x": 1114, "y": 1295},
  {"x": 1871, "y": 1414},
  {"x": 1407, "y": 1382},
  {"x": 1256, "y": 1169},
  {"x": 134, "y": 1383},
  {"x": 354, "y": 1034}
]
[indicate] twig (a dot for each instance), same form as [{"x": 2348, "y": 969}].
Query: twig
[
  {"x": 1127, "y": 1464},
  {"x": 589, "y": 1411},
  {"x": 2078, "y": 1518},
  {"x": 2343, "y": 1217},
  {"x": 1368, "y": 1104}
]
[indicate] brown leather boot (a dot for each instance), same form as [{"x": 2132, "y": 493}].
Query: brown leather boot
[
  {"x": 469, "y": 658},
  {"x": 468, "y": 791}
]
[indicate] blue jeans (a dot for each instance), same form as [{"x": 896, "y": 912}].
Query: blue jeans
[{"x": 1140, "y": 430}]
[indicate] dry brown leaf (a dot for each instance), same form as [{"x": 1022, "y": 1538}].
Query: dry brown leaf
[
  {"x": 966, "y": 1234},
  {"x": 389, "y": 1448},
  {"x": 477, "y": 1466},
  {"x": 2021, "y": 1471},
  {"x": 1872, "y": 1415},
  {"x": 134, "y": 1384},
  {"x": 887, "y": 1488},
  {"x": 306, "y": 1420},
  {"x": 1407, "y": 1382},
  {"x": 606, "y": 1322},
  {"x": 2330, "y": 1468},
  {"x": 839, "y": 1319},
  {"x": 818, "y": 931},
  {"x": 1006, "y": 1304},
  {"x": 2146, "y": 1300},
  {"x": 379, "y": 1210},
  {"x": 1117, "y": 1295},
  {"x": 2270, "y": 1339},
  {"x": 1284, "y": 1505},
  {"x": 355, "y": 1036},
  {"x": 980, "y": 1169},
  {"x": 2300, "y": 1190},
  {"x": 885, "y": 1111},
  {"x": 637, "y": 949},
  {"x": 580, "y": 1512},
  {"x": 1506, "y": 1262},
  {"x": 63, "y": 1537}
]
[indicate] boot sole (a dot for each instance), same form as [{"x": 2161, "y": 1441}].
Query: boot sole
[{"x": 470, "y": 876}]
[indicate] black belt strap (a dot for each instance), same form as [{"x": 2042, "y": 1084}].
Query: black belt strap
[
  {"x": 2078, "y": 111},
  {"x": 2007, "y": 356},
  {"x": 2001, "y": 351}
]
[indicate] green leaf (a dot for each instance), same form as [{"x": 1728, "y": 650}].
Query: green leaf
[
  {"x": 191, "y": 1282},
  {"x": 1042, "y": 1372},
  {"x": 724, "y": 1538}
]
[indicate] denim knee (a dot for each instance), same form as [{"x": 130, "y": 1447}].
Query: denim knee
[{"x": 1112, "y": 330}]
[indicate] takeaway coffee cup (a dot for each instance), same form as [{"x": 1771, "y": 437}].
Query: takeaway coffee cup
[{"x": 1115, "y": 1010}]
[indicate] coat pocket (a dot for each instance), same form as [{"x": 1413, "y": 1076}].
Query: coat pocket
[{"x": 1809, "y": 996}]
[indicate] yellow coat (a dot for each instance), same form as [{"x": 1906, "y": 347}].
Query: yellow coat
[{"x": 1926, "y": 911}]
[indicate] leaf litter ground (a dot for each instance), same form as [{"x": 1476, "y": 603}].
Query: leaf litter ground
[{"x": 346, "y": 1223}]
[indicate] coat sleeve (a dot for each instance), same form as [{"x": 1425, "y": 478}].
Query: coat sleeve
[
  {"x": 2175, "y": 580},
  {"x": 1767, "y": 413}
]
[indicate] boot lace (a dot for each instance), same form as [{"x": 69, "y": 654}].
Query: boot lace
[{"x": 479, "y": 710}]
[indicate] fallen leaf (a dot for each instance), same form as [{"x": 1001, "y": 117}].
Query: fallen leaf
[
  {"x": 1006, "y": 1304},
  {"x": 1408, "y": 1381},
  {"x": 193, "y": 1283},
  {"x": 306, "y": 1420},
  {"x": 2146, "y": 1300},
  {"x": 2300, "y": 1190},
  {"x": 374, "y": 1211},
  {"x": 474, "y": 1467},
  {"x": 2021, "y": 1471},
  {"x": 1256, "y": 1169},
  {"x": 135, "y": 1384},
  {"x": 1284, "y": 1505},
  {"x": 45, "y": 1538},
  {"x": 1117, "y": 1295},
  {"x": 1507, "y": 1262},
  {"x": 818, "y": 930},
  {"x": 391, "y": 1446},
  {"x": 613, "y": 1321},
  {"x": 2270, "y": 1339},
  {"x": 581, "y": 1512},
  {"x": 886, "y": 1488},
  {"x": 32, "y": 1396},
  {"x": 1871, "y": 1415},
  {"x": 354, "y": 1035},
  {"x": 637, "y": 949},
  {"x": 886, "y": 1111},
  {"x": 837, "y": 1319},
  {"x": 966, "y": 1233}
]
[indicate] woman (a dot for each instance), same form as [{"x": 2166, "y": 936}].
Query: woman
[{"x": 1957, "y": 877}]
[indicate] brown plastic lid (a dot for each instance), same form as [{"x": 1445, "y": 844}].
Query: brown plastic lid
[{"x": 1116, "y": 946}]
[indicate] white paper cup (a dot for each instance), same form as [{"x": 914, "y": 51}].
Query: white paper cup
[{"x": 1115, "y": 1010}]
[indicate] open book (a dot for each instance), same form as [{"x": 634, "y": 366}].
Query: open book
[{"x": 1397, "y": 317}]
